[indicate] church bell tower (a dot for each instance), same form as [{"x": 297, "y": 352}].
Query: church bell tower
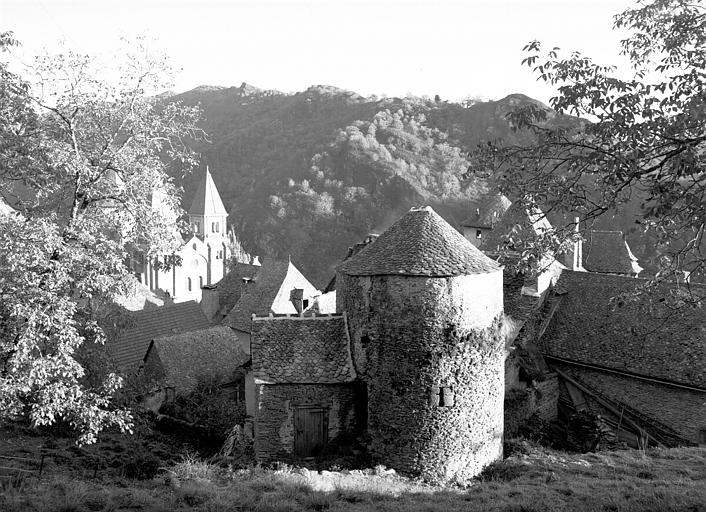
[{"x": 207, "y": 218}]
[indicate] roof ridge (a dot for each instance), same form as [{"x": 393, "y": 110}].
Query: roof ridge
[{"x": 298, "y": 316}]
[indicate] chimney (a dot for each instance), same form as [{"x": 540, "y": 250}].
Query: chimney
[
  {"x": 210, "y": 301},
  {"x": 573, "y": 258},
  {"x": 296, "y": 296}
]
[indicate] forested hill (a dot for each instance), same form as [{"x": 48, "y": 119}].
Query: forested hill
[{"x": 307, "y": 175}]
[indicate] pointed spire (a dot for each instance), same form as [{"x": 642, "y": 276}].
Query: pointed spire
[{"x": 207, "y": 200}]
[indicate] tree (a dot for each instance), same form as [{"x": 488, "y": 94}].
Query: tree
[
  {"x": 641, "y": 142},
  {"x": 83, "y": 162}
]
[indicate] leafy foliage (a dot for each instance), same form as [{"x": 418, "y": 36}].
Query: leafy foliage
[
  {"x": 644, "y": 148},
  {"x": 83, "y": 162}
]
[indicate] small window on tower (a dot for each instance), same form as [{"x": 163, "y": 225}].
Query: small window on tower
[
  {"x": 218, "y": 227},
  {"x": 188, "y": 284},
  {"x": 200, "y": 281},
  {"x": 196, "y": 227},
  {"x": 479, "y": 233},
  {"x": 442, "y": 396}
]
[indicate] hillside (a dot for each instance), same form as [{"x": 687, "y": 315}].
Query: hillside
[
  {"x": 147, "y": 474},
  {"x": 308, "y": 174}
]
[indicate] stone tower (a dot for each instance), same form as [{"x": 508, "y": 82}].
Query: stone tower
[
  {"x": 425, "y": 310},
  {"x": 207, "y": 217}
]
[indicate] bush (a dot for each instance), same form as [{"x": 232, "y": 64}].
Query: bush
[
  {"x": 141, "y": 465},
  {"x": 208, "y": 406}
]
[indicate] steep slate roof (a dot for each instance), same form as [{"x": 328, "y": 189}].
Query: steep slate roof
[
  {"x": 644, "y": 339},
  {"x": 234, "y": 284},
  {"x": 143, "y": 326},
  {"x": 421, "y": 243},
  {"x": 301, "y": 350},
  {"x": 608, "y": 252},
  {"x": 185, "y": 358},
  {"x": 487, "y": 212},
  {"x": 207, "y": 200},
  {"x": 258, "y": 296}
]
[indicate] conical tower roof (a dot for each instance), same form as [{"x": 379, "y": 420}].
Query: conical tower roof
[
  {"x": 207, "y": 200},
  {"x": 421, "y": 243}
]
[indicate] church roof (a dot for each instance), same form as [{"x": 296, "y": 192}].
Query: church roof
[
  {"x": 421, "y": 243},
  {"x": 487, "y": 212},
  {"x": 650, "y": 336},
  {"x": 207, "y": 200},
  {"x": 131, "y": 344},
  {"x": 301, "y": 350},
  {"x": 187, "y": 357},
  {"x": 608, "y": 252}
]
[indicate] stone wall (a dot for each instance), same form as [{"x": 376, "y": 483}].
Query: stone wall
[
  {"x": 680, "y": 409},
  {"x": 540, "y": 399},
  {"x": 274, "y": 420},
  {"x": 431, "y": 353}
]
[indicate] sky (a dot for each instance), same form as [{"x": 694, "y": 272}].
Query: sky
[{"x": 453, "y": 48}]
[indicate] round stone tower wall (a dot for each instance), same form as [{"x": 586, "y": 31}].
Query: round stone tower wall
[{"x": 430, "y": 350}]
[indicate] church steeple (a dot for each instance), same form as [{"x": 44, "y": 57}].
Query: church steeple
[
  {"x": 207, "y": 217},
  {"x": 207, "y": 200}
]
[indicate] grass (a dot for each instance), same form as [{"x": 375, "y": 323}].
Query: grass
[{"x": 537, "y": 480}]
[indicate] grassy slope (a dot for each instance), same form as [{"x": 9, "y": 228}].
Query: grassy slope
[{"x": 537, "y": 480}]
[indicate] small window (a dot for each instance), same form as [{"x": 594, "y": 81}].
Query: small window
[
  {"x": 188, "y": 284},
  {"x": 479, "y": 233},
  {"x": 194, "y": 246},
  {"x": 196, "y": 227},
  {"x": 305, "y": 303},
  {"x": 442, "y": 396},
  {"x": 200, "y": 281}
]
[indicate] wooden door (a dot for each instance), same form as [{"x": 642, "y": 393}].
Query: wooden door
[{"x": 310, "y": 430}]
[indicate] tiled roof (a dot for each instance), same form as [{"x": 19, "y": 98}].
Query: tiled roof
[
  {"x": 260, "y": 294},
  {"x": 644, "y": 338},
  {"x": 301, "y": 350},
  {"x": 207, "y": 200},
  {"x": 487, "y": 212},
  {"x": 234, "y": 284},
  {"x": 132, "y": 342},
  {"x": 185, "y": 358},
  {"x": 421, "y": 243},
  {"x": 608, "y": 251}
]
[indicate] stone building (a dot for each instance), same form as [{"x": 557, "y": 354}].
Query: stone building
[
  {"x": 425, "y": 312},
  {"x": 485, "y": 215},
  {"x": 304, "y": 392}
]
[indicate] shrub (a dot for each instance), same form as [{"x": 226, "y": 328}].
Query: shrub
[
  {"x": 208, "y": 406},
  {"x": 140, "y": 465}
]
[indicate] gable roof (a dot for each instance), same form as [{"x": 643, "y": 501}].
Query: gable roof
[
  {"x": 487, "y": 212},
  {"x": 234, "y": 284},
  {"x": 261, "y": 295},
  {"x": 608, "y": 252},
  {"x": 131, "y": 344},
  {"x": 301, "y": 350},
  {"x": 643, "y": 338},
  {"x": 207, "y": 200},
  {"x": 420, "y": 243},
  {"x": 188, "y": 357}
]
